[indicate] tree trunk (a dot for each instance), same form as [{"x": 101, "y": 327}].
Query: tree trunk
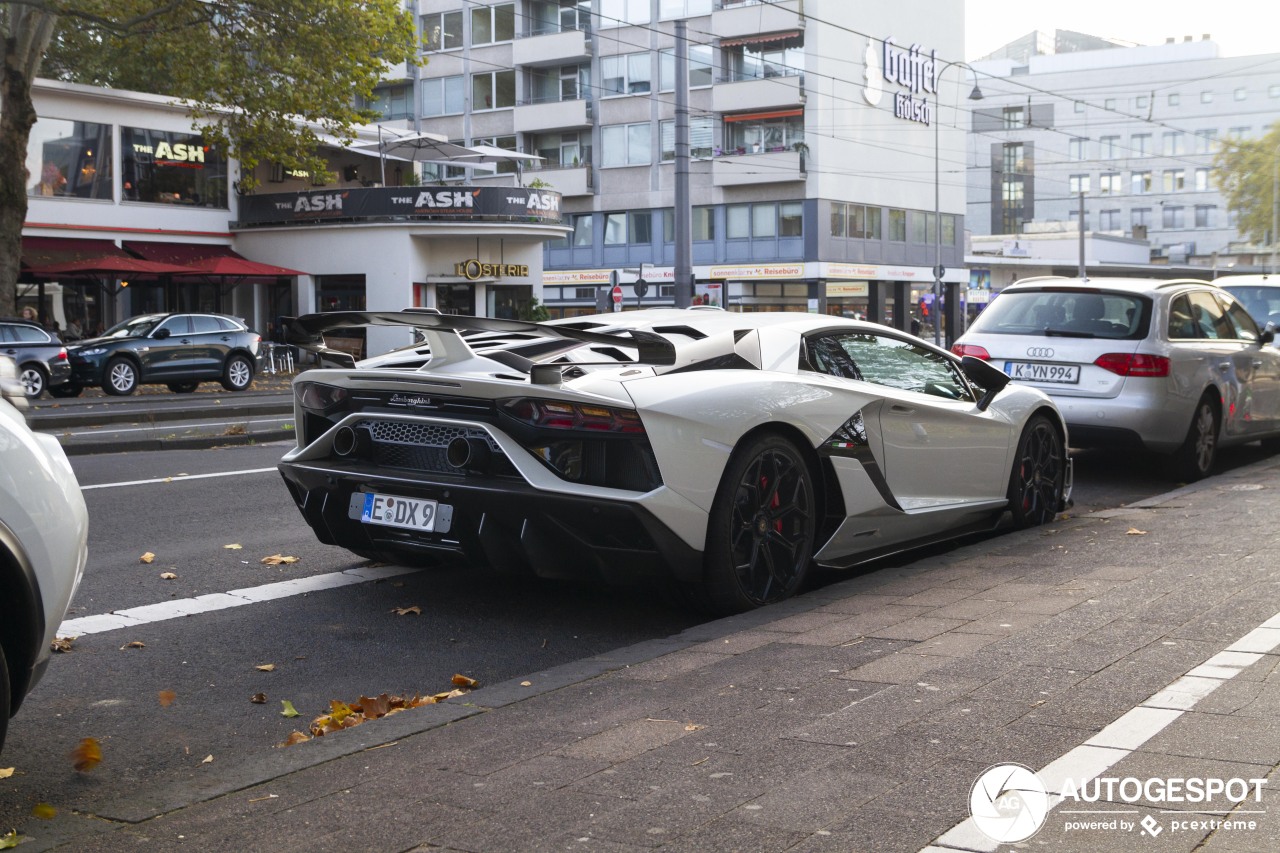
[{"x": 25, "y": 40}]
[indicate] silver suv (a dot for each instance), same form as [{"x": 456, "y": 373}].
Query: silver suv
[{"x": 1177, "y": 367}]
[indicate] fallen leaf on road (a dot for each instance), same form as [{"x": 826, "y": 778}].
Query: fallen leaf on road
[
  {"x": 62, "y": 644},
  {"x": 440, "y": 697},
  {"x": 1133, "y": 531},
  {"x": 208, "y": 759},
  {"x": 168, "y": 576},
  {"x": 166, "y": 698},
  {"x": 344, "y": 716},
  {"x": 147, "y": 557},
  {"x": 405, "y": 611},
  {"x": 6, "y": 772},
  {"x": 295, "y": 737},
  {"x": 526, "y": 684},
  {"x": 44, "y": 811},
  {"x": 136, "y": 644},
  {"x": 692, "y": 727},
  {"x": 266, "y": 667},
  {"x": 272, "y": 796},
  {"x": 233, "y": 547},
  {"x": 464, "y": 681},
  {"x": 289, "y": 711},
  {"x": 258, "y": 698},
  {"x": 11, "y": 839},
  {"x": 277, "y": 559},
  {"x": 87, "y": 755}
]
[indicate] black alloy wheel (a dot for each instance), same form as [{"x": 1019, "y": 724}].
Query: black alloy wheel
[
  {"x": 761, "y": 531},
  {"x": 1039, "y": 469}
]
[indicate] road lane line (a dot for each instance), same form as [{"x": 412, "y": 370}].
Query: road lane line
[
  {"x": 135, "y": 616},
  {"x": 1130, "y": 731},
  {"x": 177, "y": 478},
  {"x": 161, "y": 427}
]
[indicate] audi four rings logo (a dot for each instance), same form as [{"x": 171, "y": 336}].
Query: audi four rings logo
[{"x": 1040, "y": 352}]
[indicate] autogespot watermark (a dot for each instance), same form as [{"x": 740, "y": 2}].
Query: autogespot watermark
[{"x": 1009, "y": 803}]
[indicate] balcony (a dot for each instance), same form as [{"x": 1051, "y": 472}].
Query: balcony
[
  {"x": 737, "y": 19},
  {"x": 563, "y": 48},
  {"x": 566, "y": 180},
  {"x": 768, "y": 93},
  {"x": 552, "y": 115},
  {"x": 767, "y": 167}
]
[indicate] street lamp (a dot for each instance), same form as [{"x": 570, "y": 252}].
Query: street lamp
[
  {"x": 1275, "y": 204},
  {"x": 975, "y": 95}
]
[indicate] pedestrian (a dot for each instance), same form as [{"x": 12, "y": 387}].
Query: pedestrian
[
  {"x": 29, "y": 313},
  {"x": 74, "y": 332},
  {"x": 915, "y": 326}
]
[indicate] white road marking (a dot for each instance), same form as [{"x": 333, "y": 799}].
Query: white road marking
[
  {"x": 1134, "y": 728},
  {"x": 177, "y": 478},
  {"x": 147, "y": 613},
  {"x": 160, "y": 427}
]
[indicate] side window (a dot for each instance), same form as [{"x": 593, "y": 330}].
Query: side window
[
  {"x": 1181, "y": 324},
  {"x": 28, "y": 335},
  {"x": 226, "y": 325},
  {"x": 1211, "y": 321},
  {"x": 6, "y": 334},
  {"x": 891, "y": 362},
  {"x": 202, "y": 323},
  {"x": 179, "y": 325},
  {"x": 1246, "y": 329}
]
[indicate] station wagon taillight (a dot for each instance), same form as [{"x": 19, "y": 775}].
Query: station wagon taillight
[
  {"x": 971, "y": 349},
  {"x": 1133, "y": 364}
]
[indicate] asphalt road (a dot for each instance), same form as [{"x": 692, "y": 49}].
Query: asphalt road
[{"x": 334, "y": 644}]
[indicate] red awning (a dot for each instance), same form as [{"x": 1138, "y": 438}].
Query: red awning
[
  {"x": 759, "y": 39},
  {"x": 764, "y": 116},
  {"x": 108, "y": 265},
  {"x": 207, "y": 259},
  {"x": 46, "y": 251}
]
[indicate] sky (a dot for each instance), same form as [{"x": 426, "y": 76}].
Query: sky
[{"x": 1240, "y": 27}]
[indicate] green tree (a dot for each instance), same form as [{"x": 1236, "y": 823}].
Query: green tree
[
  {"x": 1245, "y": 171},
  {"x": 259, "y": 78}
]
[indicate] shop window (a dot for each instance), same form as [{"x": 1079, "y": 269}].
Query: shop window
[
  {"x": 71, "y": 159},
  {"x": 170, "y": 167}
]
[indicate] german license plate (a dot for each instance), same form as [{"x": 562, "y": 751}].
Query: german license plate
[
  {"x": 392, "y": 511},
  {"x": 1043, "y": 371}
]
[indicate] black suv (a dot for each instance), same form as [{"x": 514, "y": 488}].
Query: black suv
[
  {"x": 41, "y": 357},
  {"x": 178, "y": 350}
]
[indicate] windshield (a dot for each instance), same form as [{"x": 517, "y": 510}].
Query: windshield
[
  {"x": 1081, "y": 313},
  {"x": 136, "y": 327}
]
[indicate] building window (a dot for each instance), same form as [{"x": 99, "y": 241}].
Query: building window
[
  {"x": 1076, "y": 148},
  {"x": 72, "y": 159},
  {"x": 1174, "y": 99},
  {"x": 704, "y": 223},
  {"x": 701, "y": 137},
  {"x": 1240, "y": 94},
  {"x": 1140, "y": 183},
  {"x": 562, "y": 149},
  {"x": 1109, "y": 220},
  {"x": 491, "y": 24},
  {"x": 1140, "y": 217},
  {"x": 838, "y": 220},
  {"x": 615, "y": 229},
  {"x": 1141, "y": 102},
  {"x": 442, "y": 96},
  {"x": 169, "y": 167},
  {"x": 754, "y": 136},
  {"x": 1078, "y": 184},
  {"x": 1173, "y": 144},
  {"x": 921, "y": 227},
  {"x": 949, "y": 229},
  {"x": 626, "y": 145},
  {"x": 559, "y": 16},
  {"x": 1108, "y": 147},
  {"x": 627, "y": 74},
  {"x": 1109, "y": 183},
  {"x": 1202, "y": 180},
  {"x": 1205, "y": 140},
  {"x": 442, "y": 31},
  {"x": 738, "y": 221},
  {"x": 1205, "y": 215},
  {"x": 1238, "y": 133},
  {"x": 563, "y": 83},
  {"x": 1175, "y": 180},
  {"x": 864, "y": 222},
  {"x": 669, "y": 9},
  {"x": 701, "y": 70},
  {"x": 1015, "y": 117},
  {"x": 392, "y": 102},
  {"x": 581, "y": 224},
  {"x": 493, "y": 90},
  {"x": 1140, "y": 144},
  {"x": 640, "y": 227},
  {"x": 1273, "y": 91},
  {"x": 1206, "y": 97},
  {"x": 764, "y": 220},
  {"x": 619, "y": 13},
  {"x": 765, "y": 59},
  {"x": 898, "y": 225},
  {"x": 1079, "y": 106},
  {"x": 1173, "y": 217},
  {"x": 506, "y": 143}
]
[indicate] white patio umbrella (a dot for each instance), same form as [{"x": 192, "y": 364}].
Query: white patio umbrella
[
  {"x": 421, "y": 147},
  {"x": 494, "y": 155}
]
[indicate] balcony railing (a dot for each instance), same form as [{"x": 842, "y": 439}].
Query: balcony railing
[{"x": 401, "y": 204}]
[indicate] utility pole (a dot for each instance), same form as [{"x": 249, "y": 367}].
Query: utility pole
[
  {"x": 1080, "y": 228},
  {"x": 683, "y": 212}
]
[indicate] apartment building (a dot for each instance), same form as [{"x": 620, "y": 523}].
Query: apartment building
[
  {"x": 1130, "y": 130},
  {"x": 816, "y": 130}
]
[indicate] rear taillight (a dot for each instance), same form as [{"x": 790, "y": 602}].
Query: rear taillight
[
  {"x": 62, "y": 355},
  {"x": 971, "y": 349},
  {"x": 1133, "y": 364},
  {"x": 556, "y": 414}
]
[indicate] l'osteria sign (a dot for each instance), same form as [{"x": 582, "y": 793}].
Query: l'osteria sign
[{"x": 474, "y": 269}]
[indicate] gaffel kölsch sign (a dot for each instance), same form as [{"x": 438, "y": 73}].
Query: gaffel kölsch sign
[{"x": 907, "y": 67}]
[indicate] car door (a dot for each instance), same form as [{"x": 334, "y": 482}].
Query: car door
[
  {"x": 210, "y": 345},
  {"x": 939, "y": 449},
  {"x": 1262, "y": 393},
  {"x": 1227, "y": 361},
  {"x": 166, "y": 354}
]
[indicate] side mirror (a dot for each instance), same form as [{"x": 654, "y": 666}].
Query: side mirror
[
  {"x": 161, "y": 334},
  {"x": 1268, "y": 335},
  {"x": 986, "y": 376}
]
